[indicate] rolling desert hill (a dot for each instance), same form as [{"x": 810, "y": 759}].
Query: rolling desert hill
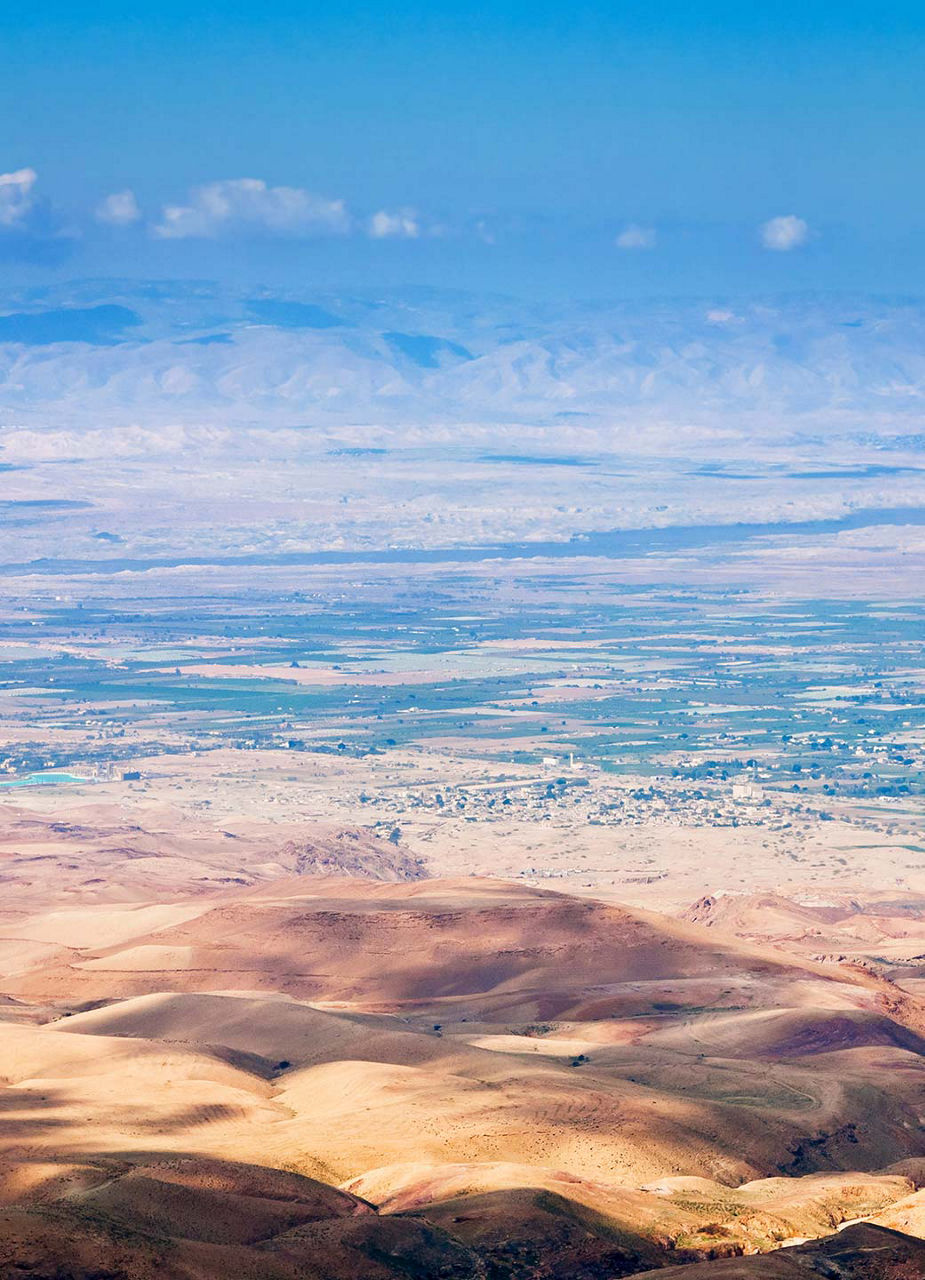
[
  {"x": 859, "y": 1253},
  {"x": 99, "y": 856},
  {"x": 885, "y": 930},
  {"x": 191, "y": 1219},
  {"x": 509, "y": 1081}
]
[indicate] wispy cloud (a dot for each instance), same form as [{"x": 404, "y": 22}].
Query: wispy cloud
[
  {"x": 17, "y": 198},
  {"x": 718, "y": 315},
  {"x": 248, "y": 205},
  {"x": 784, "y": 233},
  {"x": 119, "y": 209},
  {"x": 636, "y": 237},
  {"x": 403, "y": 224}
]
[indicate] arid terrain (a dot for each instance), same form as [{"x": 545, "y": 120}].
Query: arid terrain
[
  {"x": 462, "y": 788},
  {"x": 557, "y": 940},
  {"x": 462, "y": 640},
  {"x": 234, "y": 1054}
]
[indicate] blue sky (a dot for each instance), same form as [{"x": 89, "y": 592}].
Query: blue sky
[{"x": 599, "y": 149}]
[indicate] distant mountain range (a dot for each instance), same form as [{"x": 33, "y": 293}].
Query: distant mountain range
[{"x": 99, "y": 351}]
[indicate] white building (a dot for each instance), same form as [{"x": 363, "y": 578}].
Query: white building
[{"x": 746, "y": 791}]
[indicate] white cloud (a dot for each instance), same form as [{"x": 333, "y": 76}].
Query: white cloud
[
  {"x": 16, "y": 199},
  {"x": 784, "y": 233},
  {"x": 248, "y": 204},
  {"x": 636, "y": 237},
  {"x": 119, "y": 209},
  {"x": 402, "y": 225},
  {"x": 719, "y": 316}
]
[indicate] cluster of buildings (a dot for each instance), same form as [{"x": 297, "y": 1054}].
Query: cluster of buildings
[{"x": 592, "y": 797}]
